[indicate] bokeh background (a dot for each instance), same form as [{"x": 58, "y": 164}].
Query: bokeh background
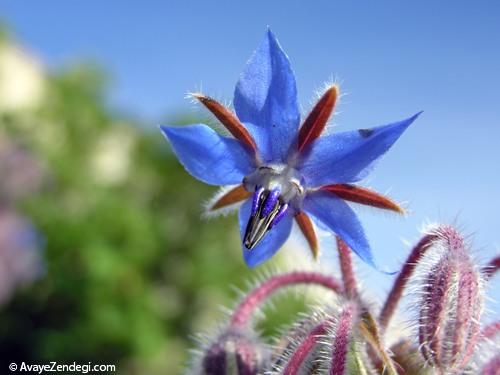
[{"x": 104, "y": 256}]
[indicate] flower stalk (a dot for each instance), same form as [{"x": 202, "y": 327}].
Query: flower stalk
[
  {"x": 347, "y": 269},
  {"x": 243, "y": 312}
]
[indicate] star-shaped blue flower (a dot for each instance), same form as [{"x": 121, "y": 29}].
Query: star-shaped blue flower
[{"x": 284, "y": 170}]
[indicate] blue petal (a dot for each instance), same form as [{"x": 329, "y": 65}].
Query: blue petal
[
  {"x": 271, "y": 242},
  {"x": 349, "y": 156},
  {"x": 208, "y": 156},
  {"x": 265, "y": 100},
  {"x": 336, "y": 215}
]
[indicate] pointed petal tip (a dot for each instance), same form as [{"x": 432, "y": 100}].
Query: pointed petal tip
[
  {"x": 272, "y": 123},
  {"x": 255, "y": 257},
  {"x": 171, "y": 131},
  {"x": 387, "y": 272},
  {"x": 165, "y": 130},
  {"x": 405, "y": 123},
  {"x": 269, "y": 33},
  {"x": 414, "y": 117},
  {"x": 250, "y": 261},
  {"x": 371, "y": 262},
  {"x": 274, "y": 43}
]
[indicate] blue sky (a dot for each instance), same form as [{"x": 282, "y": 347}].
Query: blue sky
[{"x": 392, "y": 58}]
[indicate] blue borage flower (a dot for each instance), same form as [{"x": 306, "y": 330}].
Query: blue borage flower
[{"x": 284, "y": 171}]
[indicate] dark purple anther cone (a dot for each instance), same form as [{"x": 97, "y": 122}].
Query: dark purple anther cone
[
  {"x": 270, "y": 202},
  {"x": 256, "y": 199},
  {"x": 280, "y": 215}
]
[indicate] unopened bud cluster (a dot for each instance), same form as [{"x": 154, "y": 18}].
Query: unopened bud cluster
[{"x": 348, "y": 336}]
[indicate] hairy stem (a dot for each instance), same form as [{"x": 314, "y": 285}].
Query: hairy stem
[
  {"x": 342, "y": 338},
  {"x": 394, "y": 296},
  {"x": 491, "y": 330},
  {"x": 347, "y": 269},
  {"x": 302, "y": 352},
  {"x": 256, "y": 297}
]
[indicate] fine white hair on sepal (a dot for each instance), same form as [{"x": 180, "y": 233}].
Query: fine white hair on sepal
[
  {"x": 386, "y": 213},
  {"x": 209, "y": 213},
  {"x": 206, "y": 115},
  {"x": 318, "y": 93},
  {"x": 192, "y": 97}
]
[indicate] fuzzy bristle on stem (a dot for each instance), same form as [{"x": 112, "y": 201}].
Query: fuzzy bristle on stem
[
  {"x": 364, "y": 196},
  {"x": 315, "y": 122},
  {"x": 255, "y": 298},
  {"x": 235, "y": 195},
  {"x": 228, "y": 119},
  {"x": 307, "y": 229}
]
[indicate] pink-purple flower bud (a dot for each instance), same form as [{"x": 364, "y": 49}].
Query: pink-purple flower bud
[
  {"x": 451, "y": 306},
  {"x": 236, "y": 351}
]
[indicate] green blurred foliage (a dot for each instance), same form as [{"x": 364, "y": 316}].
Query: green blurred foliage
[{"x": 132, "y": 270}]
